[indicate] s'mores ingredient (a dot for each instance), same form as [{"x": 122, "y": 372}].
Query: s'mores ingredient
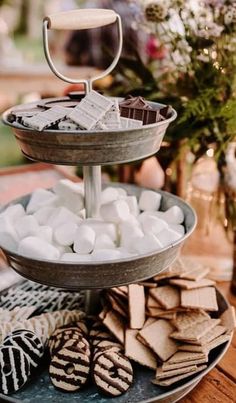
[
  {"x": 136, "y": 298},
  {"x": 201, "y": 298}
]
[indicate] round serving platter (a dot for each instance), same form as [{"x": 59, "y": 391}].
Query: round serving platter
[
  {"x": 94, "y": 275},
  {"x": 90, "y": 147},
  {"x": 39, "y": 389}
]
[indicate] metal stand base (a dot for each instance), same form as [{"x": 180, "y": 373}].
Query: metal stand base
[{"x": 92, "y": 186}]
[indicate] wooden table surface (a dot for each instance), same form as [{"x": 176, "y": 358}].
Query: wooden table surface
[{"x": 219, "y": 386}]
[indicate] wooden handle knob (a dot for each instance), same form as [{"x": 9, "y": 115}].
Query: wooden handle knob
[{"x": 81, "y": 19}]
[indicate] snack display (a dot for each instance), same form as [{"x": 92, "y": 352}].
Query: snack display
[
  {"x": 78, "y": 237},
  {"x": 93, "y": 112}
]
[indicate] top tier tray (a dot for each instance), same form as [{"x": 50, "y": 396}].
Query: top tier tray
[{"x": 90, "y": 147}]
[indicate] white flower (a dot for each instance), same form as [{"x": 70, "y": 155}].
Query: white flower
[{"x": 210, "y": 30}]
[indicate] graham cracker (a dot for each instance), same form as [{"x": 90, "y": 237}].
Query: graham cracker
[
  {"x": 116, "y": 325},
  {"x": 170, "y": 381},
  {"x": 217, "y": 342},
  {"x": 191, "y": 285},
  {"x": 148, "y": 322},
  {"x": 196, "y": 331},
  {"x": 168, "y": 367},
  {"x": 186, "y": 319},
  {"x": 204, "y": 298},
  {"x": 192, "y": 348},
  {"x": 167, "y": 296},
  {"x": 160, "y": 374},
  {"x": 151, "y": 302},
  {"x": 160, "y": 313},
  {"x": 148, "y": 284},
  {"x": 136, "y": 298},
  {"x": 141, "y": 339},
  {"x": 182, "y": 356},
  {"x": 116, "y": 306},
  {"x": 103, "y": 313},
  {"x": 228, "y": 319},
  {"x": 210, "y": 335},
  {"x": 196, "y": 274},
  {"x": 136, "y": 351},
  {"x": 157, "y": 337}
]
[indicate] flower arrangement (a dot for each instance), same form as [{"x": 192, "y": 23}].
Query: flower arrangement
[{"x": 192, "y": 65}]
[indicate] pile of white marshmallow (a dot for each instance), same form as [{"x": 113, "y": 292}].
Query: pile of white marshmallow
[{"x": 54, "y": 227}]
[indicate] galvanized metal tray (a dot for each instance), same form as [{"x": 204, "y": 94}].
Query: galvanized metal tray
[
  {"x": 92, "y": 275},
  {"x": 40, "y": 389},
  {"x": 90, "y": 147}
]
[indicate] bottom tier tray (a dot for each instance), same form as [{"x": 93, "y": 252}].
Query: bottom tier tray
[
  {"x": 40, "y": 389},
  {"x": 107, "y": 274}
]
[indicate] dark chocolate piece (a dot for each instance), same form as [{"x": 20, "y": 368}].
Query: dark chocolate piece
[{"x": 139, "y": 109}]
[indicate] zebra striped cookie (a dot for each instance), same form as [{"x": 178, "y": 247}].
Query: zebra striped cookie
[
  {"x": 29, "y": 343},
  {"x": 112, "y": 373},
  {"x": 69, "y": 369},
  {"x": 78, "y": 340},
  {"x": 14, "y": 369}
]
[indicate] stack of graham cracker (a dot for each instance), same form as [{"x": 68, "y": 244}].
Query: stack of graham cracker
[{"x": 169, "y": 323}]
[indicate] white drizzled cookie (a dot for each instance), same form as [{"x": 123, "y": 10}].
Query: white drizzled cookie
[
  {"x": 14, "y": 369},
  {"x": 112, "y": 373},
  {"x": 29, "y": 343},
  {"x": 69, "y": 368}
]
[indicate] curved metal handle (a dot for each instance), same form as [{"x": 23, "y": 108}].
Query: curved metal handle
[{"x": 87, "y": 82}]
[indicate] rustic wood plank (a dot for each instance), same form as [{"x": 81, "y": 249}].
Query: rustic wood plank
[
  {"x": 227, "y": 364},
  {"x": 215, "y": 387}
]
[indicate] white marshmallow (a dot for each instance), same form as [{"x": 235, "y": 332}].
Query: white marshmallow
[
  {"x": 71, "y": 194},
  {"x": 128, "y": 234},
  {"x": 153, "y": 225},
  {"x": 8, "y": 236},
  {"x": 44, "y": 232},
  {"x": 122, "y": 193},
  {"x": 41, "y": 198},
  {"x": 149, "y": 200},
  {"x": 103, "y": 241},
  {"x": 37, "y": 248},
  {"x": 62, "y": 249},
  {"x": 168, "y": 237},
  {"x": 115, "y": 211},
  {"x": 64, "y": 234},
  {"x": 109, "y": 194},
  {"x": 82, "y": 214},
  {"x": 84, "y": 239},
  {"x": 133, "y": 220},
  {"x": 105, "y": 254},
  {"x": 62, "y": 215},
  {"x": 42, "y": 215},
  {"x": 147, "y": 244},
  {"x": 13, "y": 212},
  {"x": 75, "y": 257},
  {"x": 101, "y": 227},
  {"x": 158, "y": 214},
  {"x": 133, "y": 205},
  {"x": 177, "y": 228},
  {"x": 174, "y": 215},
  {"x": 124, "y": 253},
  {"x": 26, "y": 226}
]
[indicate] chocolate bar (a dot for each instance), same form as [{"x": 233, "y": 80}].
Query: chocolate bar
[
  {"x": 139, "y": 109},
  {"x": 90, "y": 110},
  {"x": 46, "y": 119}
]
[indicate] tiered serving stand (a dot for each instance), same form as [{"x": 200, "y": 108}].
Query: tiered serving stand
[{"x": 93, "y": 149}]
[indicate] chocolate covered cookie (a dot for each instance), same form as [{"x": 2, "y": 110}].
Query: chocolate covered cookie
[
  {"x": 29, "y": 343},
  {"x": 69, "y": 368},
  {"x": 14, "y": 369},
  {"x": 112, "y": 373}
]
